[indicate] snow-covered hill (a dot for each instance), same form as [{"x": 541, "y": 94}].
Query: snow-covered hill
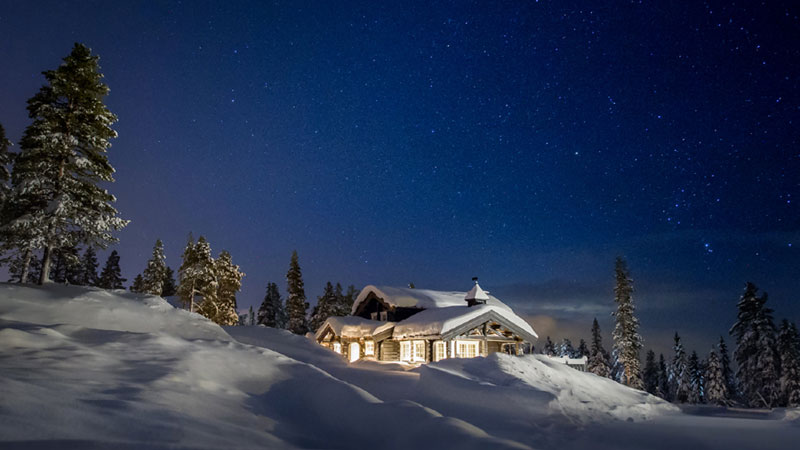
[{"x": 87, "y": 368}]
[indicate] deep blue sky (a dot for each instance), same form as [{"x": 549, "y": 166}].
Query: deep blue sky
[{"x": 527, "y": 143}]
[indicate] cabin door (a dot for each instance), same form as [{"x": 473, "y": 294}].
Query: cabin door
[{"x": 355, "y": 351}]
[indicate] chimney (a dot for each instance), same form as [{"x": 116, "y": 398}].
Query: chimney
[{"x": 476, "y": 295}]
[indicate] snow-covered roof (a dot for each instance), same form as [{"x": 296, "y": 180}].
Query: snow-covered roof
[
  {"x": 476, "y": 293},
  {"x": 353, "y": 327},
  {"x": 420, "y": 298},
  {"x": 440, "y": 321}
]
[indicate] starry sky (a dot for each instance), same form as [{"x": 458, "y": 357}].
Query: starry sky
[{"x": 527, "y": 143}]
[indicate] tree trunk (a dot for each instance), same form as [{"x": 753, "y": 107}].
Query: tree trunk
[
  {"x": 26, "y": 265},
  {"x": 44, "y": 277}
]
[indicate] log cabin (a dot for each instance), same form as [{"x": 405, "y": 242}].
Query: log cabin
[{"x": 419, "y": 326}]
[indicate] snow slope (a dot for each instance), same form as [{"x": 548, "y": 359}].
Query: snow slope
[{"x": 87, "y": 368}]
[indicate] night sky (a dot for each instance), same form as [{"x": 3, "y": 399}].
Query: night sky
[{"x": 526, "y": 143}]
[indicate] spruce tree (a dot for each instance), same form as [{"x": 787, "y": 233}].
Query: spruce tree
[
  {"x": 663, "y": 379},
  {"x": 168, "y": 286},
  {"x": 695, "y": 370},
  {"x": 627, "y": 341},
  {"x": 650, "y": 374},
  {"x": 111, "y": 276},
  {"x": 271, "y": 312},
  {"x": 327, "y": 306},
  {"x": 198, "y": 278},
  {"x": 88, "y": 268},
  {"x": 6, "y": 158},
  {"x": 566, "y": 349},
  {"x": 296, "y": 305},
  {"x": 727, "y": 372},
  {"x": 63, "y": 161},
  {"x": 758, "y": 364},
  {"x": 155, "y": 272},
  {"x": 229, "y": 279},
  {"x": 582, "y": 350},
  {"x": 598, "y": 356},
  {"x": 138, "y": 284},
  {"x": 680, "y": 383},
  {"x": 549, "y": 347},
  {"x": 716, "y": 387},
  {"x": 789, "y": 351}
]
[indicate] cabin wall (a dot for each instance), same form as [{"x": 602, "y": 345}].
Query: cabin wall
[{"x": 390, "y": 350}]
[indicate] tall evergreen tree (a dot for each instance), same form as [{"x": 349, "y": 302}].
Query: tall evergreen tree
[
  {"x": 549, "y": 347},
  {"x": 271, "y": 312},
  {"x": 663, "y": 379},
  {"x": 155, "y": 272},
  {"x": 716, "y": 387},
  {"x": 111, "y": 276},
  {"x": 727, "y": 372},
  {"x": 696, "y": 381},
  {"x": 582, "y": 349},
  {"x": 138, "y": 284},
  {"x": 789, "y": 351},
  {"x": 198, "y": 278},
  {"x": 327, "y": 305},
  {"x": 650, "y": 374},
  {"x": 598, "y": 357},
  {"x": 63, "y": 161},
  {"x": 88, "y": 268},
  {"x": 757, "y": 361},
  {"x": 229, "y": 279},
  {"x": 168, "y": 287},
  {"x": 296, "y": 305},
  {"x": 566, "y": 349},
  {"x": 627, "y": 341},
  {"x": 66, "y": 266},
  {"x": 680, "y": 382}
]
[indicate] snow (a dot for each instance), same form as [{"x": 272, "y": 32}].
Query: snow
[
  {"x": 354, "y": 326},
  {"x": 439, "y": 321},
  {"x": 87, "y": 368},
  {"x": 418, "y": 298}
]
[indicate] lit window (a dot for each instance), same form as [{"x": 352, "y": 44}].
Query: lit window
[
  {"x": 369, "y": 348},
  {"x": 419, "y": 350},
  {"x": 439, "y": 351},
  {"x": 337, "y": 347},
  {"x": 384, "y": 316},
  {"x": 467, "y": 349},
  {"x": 405, "y": 351}
]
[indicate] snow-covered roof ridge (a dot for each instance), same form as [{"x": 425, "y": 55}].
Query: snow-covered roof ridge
[
  {"x": 419, "y": 298},
  {"x": 443, "y": 321},
  {"x": 353, "y": 326}
]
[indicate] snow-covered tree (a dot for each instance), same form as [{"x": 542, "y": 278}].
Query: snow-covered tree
[
  {"x": 696, "y": 381},
  {"x": 663, "y": 379},
  {"x": 169, "y": 287},
  {"x": 328, "y": 304},
  {"x": 565, "y": 349},
  {"x": 598, "y": 356},
  {"x": 627, "y": 341},
  {"x": 296, "y": 305},
  {"x": 198, "y": 278},
  {"x": 680, "y": 383},
  {"x": 229, "y": 279},
  {"x": 789, "y": 351},
  {"x": 755, "y": 354},
  {"x": 6, "y": 158},
  {"x": 111, "y": 276},
  {"x": 650, "y": 373},
  {"x": 271, "y": 313},
  {"x": 155, "y": 272},
  {"x": 66, "y": 266},
  {"x": 716, "y": 387},
  {"x": 88, "y": 268},
  {"x": 727, "y": 372},
  {"x": 138, "y": 284},
  {"x": 582, "y": 349},
  {"x": 62, "y": 162},
  {"x": 549, "y": 347}
]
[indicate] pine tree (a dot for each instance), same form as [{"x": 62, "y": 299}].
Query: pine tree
[
  {"x": 6, "y": 159},
  {"x": 582, "y": 350},
  {"x": 650, "y": 374},
  {"x": 63, "y": 160},
  {"x": 549, "y": 347},
  {"x": 663, "y": 379},
  {"x": 716, "y": 387},
  {"x": 348, "y": 300},
  {"x": 727, "y": 372},
  {"x": 111, "y": 276},
  {"x": 271, "y": 313},
  {"x": 757, "y": 361},
  {"x": 229, "y": 279},
  {"x": 566, "y": 349},
  {"x": 695, "y": 379},
  {"x": 680, "y": 383},
  {"x": 789, "y": 351},
  {"x": 168, "y": 286},
  {"x": 66, "y": 266},
  {"x": 327, "y": 306},
  {"x": 88, "y": 268},
  {"x": 296, "y": 305},
  {"x": 155, "y": 272},
  {"x": 198, "y": 278},
  {"x": 19, "y": 268},
  {"x": 138, "y": 284},
  {"x": 627, "y": 341},
  {"x": 598, "y": 356}
]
